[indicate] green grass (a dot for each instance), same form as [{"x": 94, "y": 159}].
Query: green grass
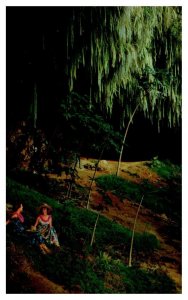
[
  {"x": 31, "y": 200},
  {"x": 166, "y": 170},
  {"x": 160, "y": 199},
  {"x": 146, "y": 281},
  {"x": 119, "y": 186},
  {"x": 133, "y": 280}
]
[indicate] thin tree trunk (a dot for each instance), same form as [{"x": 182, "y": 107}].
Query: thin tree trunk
[
  {"x": 132, "y": 239},
  {"x": 94, "y": 229},
  {"x": 124, "y": 139}
]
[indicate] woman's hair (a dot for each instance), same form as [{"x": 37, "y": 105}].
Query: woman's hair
[
  {"x": 41, "y": 209},
  {"x": 48, "y": 207}
]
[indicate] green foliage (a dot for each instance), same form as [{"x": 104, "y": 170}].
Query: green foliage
[
  {"x": 103, "y": 263},
  {"x": 87, "y": 130},
  {"x": 100, "y": 52},
  {"x": 146, "y": 281},
  {"x": 166, "y": 169},
  {"x": 132, "y": 280},
  {"x": 125, "y": 67},
  {"x": 118, "y": 185},
  {"x": 114, "y": 234}
]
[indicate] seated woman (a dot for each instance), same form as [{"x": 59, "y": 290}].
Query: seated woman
[
  {"x": 16, "y": 219},
  {"x": 44, "y": 228}
]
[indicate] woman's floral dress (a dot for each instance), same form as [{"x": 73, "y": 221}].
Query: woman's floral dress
[{"x": 46, "y": 233}]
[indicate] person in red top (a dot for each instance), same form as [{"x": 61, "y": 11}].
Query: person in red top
[
  {"x": 43, "y": 226},
  {"x": 17, "y": 219}
]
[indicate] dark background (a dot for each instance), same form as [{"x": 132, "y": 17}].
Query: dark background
[{"x": 35, "y": 53}]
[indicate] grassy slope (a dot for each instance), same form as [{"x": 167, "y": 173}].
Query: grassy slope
[{"x": 77, "y": 266}]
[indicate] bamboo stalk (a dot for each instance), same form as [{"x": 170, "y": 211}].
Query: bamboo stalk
[
  {"x": 132, "y": 239},
  {"x": 125, "y": 136},
  {"x": 94, "y": 229}
]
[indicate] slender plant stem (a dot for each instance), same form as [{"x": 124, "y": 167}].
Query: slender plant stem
[
  {"x": 132, "y": 239},
  {"x": 124, "y": 139},
  {"x": 94, "y": 229}
]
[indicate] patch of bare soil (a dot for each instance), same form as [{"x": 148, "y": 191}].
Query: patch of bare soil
[
  {"x": 168, "y": 257},
  {"x": 40, "y": 284},
  {"x": 34, "y": 281}
]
